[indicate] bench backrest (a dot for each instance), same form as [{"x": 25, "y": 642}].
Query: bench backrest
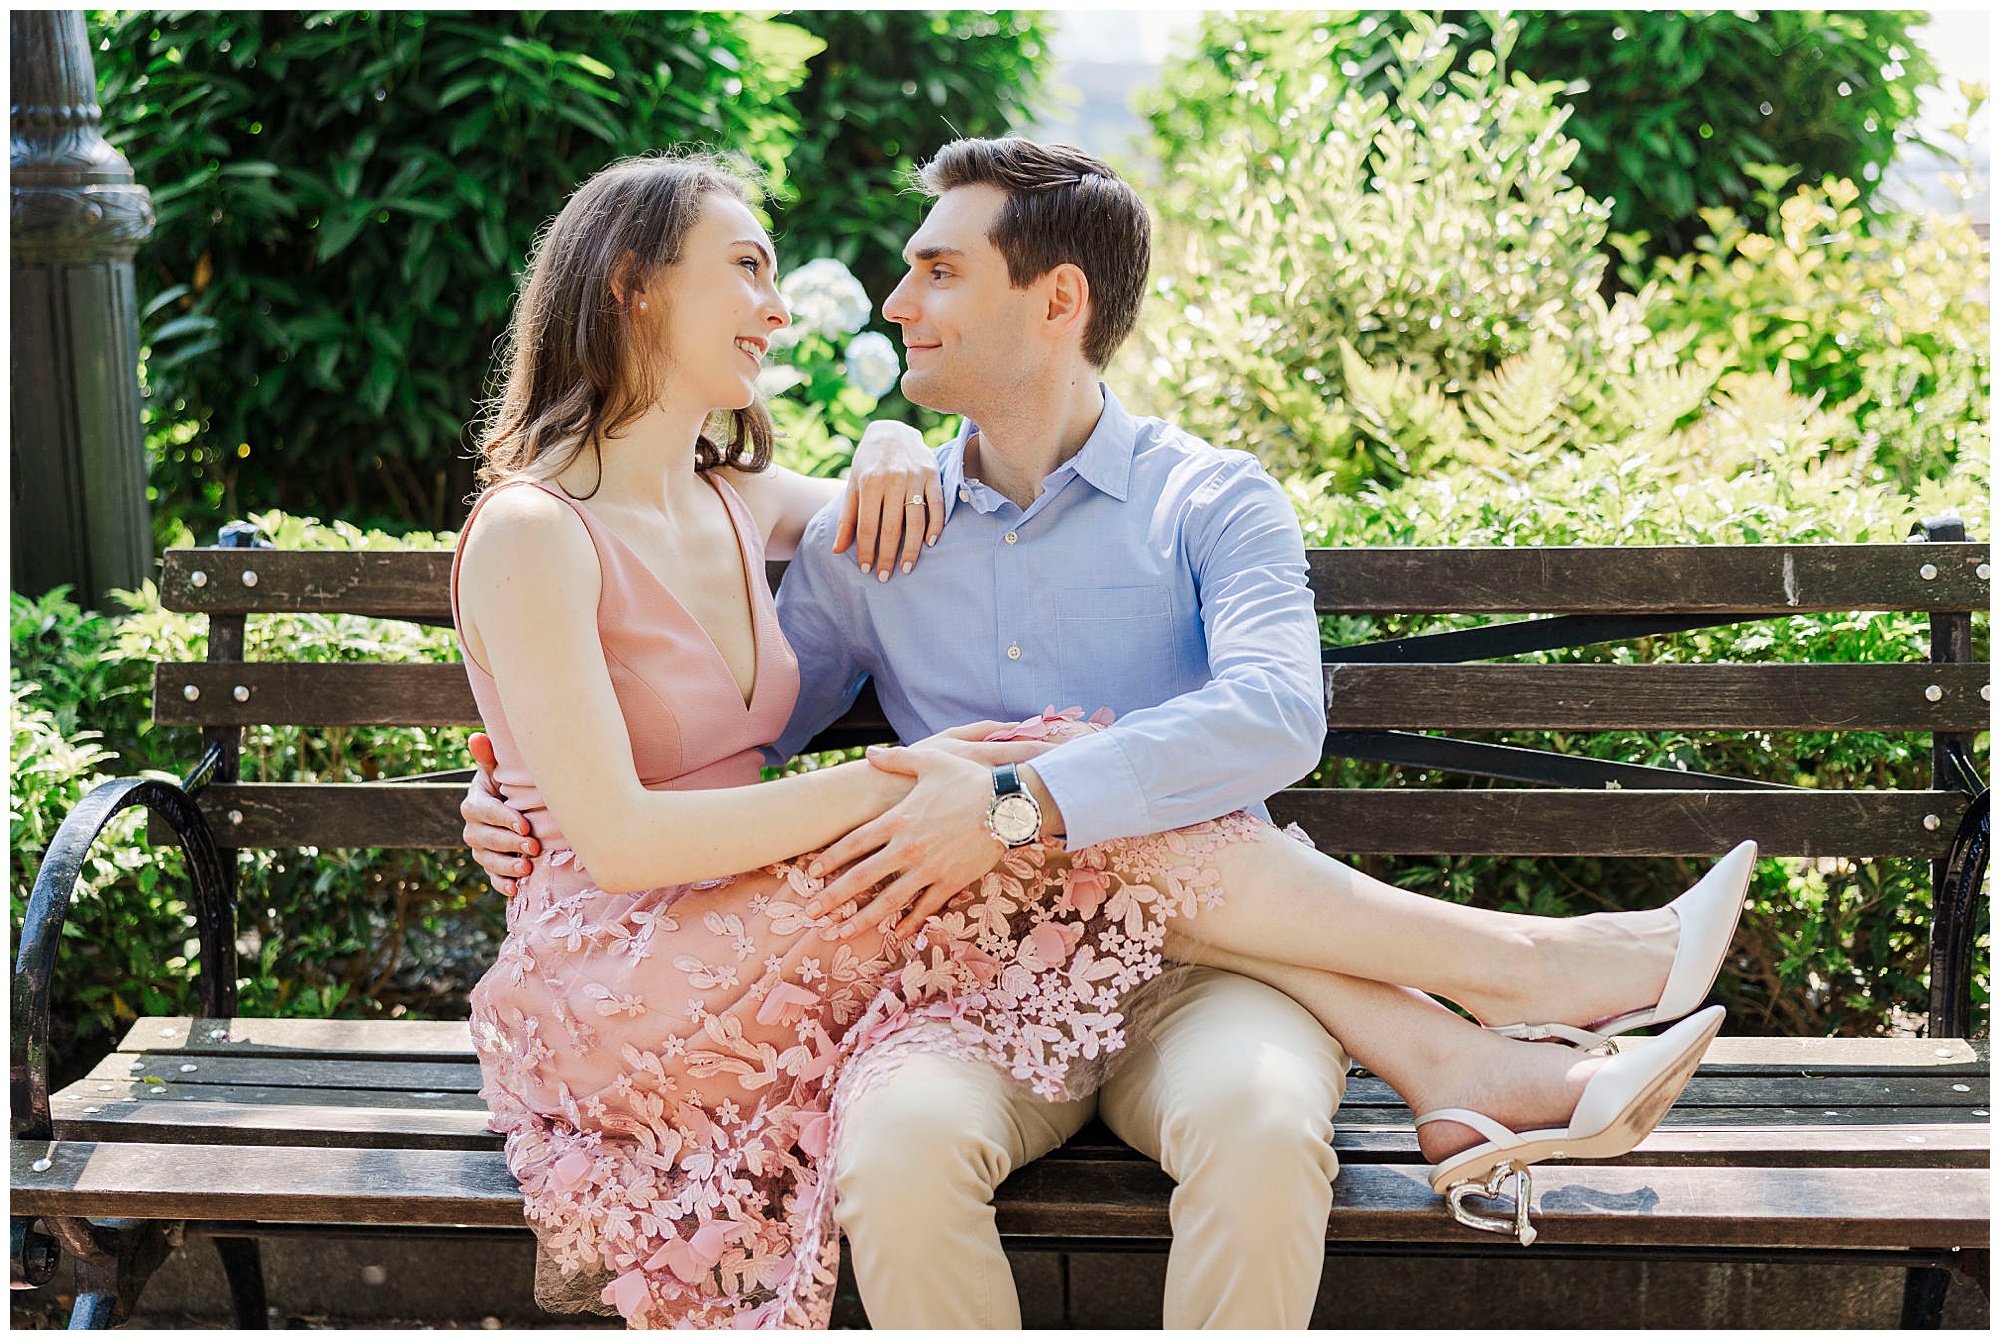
[{"x": 1375, "y": 693}]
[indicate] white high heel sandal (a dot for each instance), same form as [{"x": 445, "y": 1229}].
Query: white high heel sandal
[
  {"x": 1708, "y": 915},
  {"x": 1620, "y": 1106}
]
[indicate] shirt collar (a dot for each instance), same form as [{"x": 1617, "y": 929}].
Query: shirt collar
[{"x": 1105, "y": 462}]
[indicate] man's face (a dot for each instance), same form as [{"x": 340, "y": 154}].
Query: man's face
[{"x": 967, "y": 331}]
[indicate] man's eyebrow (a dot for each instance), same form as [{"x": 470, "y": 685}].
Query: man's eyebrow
[
  {"x": 932, "y": 253},
  {"x": 762, "y": 250}
]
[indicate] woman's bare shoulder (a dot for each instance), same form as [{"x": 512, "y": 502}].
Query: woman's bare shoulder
[{"x": 523, "y": 526}]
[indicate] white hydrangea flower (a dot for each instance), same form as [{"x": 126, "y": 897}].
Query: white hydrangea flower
[
  {"x": 825, "y": 300},
  {"x": 872, "y": 365}
]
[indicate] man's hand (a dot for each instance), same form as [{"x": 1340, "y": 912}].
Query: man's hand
[
  {"x": 929, "y": 846},
  {"x": 497, "y": 833},
  {"x": 892, "y": 467}
]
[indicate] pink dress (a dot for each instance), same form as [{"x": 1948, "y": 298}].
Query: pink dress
[{"x": 670, "y": 1067}]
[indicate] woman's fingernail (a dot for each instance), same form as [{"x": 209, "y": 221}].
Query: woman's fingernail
[
  {"x": 908, "y": 566},
  {"x": 813, "y": 869},
  {"x": 864, "y": 569},
  {"x": 882, "y": 576},
  {"x": 930, "y": 540}
]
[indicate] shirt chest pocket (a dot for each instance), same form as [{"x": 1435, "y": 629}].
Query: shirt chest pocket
[{"x": 1117, "y": 646}]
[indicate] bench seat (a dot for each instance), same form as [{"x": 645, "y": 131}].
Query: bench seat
[{"x": 1789, "y": 1143}]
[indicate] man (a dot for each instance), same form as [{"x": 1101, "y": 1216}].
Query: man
[{"x": 1092, "y": 559}]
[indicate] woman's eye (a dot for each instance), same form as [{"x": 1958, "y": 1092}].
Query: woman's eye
[{"x": 754, "y": 263}]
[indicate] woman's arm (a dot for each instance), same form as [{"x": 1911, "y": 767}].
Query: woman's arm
[
  {"x": 528, "y": 590},
  {"x": 891, "y": 466}
]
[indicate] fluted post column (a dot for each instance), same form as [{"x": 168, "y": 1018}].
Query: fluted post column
[{"x": 78, "y": 453}]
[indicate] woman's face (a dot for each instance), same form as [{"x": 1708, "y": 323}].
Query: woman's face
[{"x": 722, "y": 304}]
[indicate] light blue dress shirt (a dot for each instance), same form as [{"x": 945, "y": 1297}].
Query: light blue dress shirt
[{"x": 1155, "y": 575}]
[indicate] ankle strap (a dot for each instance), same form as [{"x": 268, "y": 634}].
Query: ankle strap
[
  {"x": 1581, "y": 1037},
  {"x": 1480, "y": 1122}
]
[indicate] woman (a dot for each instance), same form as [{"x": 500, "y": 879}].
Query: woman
[{"x": 672, "y": 1029}]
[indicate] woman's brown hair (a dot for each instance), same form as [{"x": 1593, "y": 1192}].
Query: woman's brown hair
[{"x": 576, "y": 371}]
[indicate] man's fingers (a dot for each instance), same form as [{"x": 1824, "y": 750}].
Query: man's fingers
[
  {"x": 883, "y": 907},
  {"x": 856, "y": 844},
  {"x": 927, "y": 907},
  {"x": 854, "y": 883}
]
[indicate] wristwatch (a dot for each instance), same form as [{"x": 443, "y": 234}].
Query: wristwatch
[{"x": 1012, "y": 815}]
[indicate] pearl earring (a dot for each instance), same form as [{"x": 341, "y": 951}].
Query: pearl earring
[{"x": 642, "y": 304}]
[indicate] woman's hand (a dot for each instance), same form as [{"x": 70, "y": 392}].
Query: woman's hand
[{"x": 894, "y": 499}]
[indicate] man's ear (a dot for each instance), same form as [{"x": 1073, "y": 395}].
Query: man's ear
[{"x": 1068, "y": 301}]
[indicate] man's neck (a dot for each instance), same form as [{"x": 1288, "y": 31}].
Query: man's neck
[{"x": 1020, "y": 445}]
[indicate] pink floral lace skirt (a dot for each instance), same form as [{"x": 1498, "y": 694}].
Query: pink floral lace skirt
[{"x": 670, "y": 1067}]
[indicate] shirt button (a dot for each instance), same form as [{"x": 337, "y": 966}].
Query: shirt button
[
  {"x": 964, "y": 493},
  {"x": 1014, "y": 652},
  {"x": 1013, "y": 536}
]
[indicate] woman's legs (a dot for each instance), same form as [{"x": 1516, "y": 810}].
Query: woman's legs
[
  {"x": 1286, "y": 903},
  {"x": 1431, "y": 1057}
]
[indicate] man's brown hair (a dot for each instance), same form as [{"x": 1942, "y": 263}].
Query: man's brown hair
[{"x": 1063, "y": 207}]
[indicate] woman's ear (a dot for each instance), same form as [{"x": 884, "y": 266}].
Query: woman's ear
[{"x": 626, "y": 289}]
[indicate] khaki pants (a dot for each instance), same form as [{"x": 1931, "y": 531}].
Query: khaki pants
[{"x": 1233, "y": 1091}]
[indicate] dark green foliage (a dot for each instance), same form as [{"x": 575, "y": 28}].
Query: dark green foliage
[
  {"x": 1669, "y": 106},
  {"x": 344, "y": 201},
  {"x": 890, "y": 89},
  {"x": 358, "y": 932}
]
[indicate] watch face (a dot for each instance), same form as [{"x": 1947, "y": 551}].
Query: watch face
[{"x": 1014, "y": 819}]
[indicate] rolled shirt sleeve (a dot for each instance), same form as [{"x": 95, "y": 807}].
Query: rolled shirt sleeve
[{"x": 1258, "y": 724}]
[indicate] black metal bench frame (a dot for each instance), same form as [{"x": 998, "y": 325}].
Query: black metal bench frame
[{"x": 204, "y": 815}]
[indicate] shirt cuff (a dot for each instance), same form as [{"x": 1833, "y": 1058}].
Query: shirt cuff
[{"x": 1097, "y": 789}]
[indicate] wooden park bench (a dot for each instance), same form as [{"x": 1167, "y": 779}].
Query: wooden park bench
[{"x": 1866, "y": 1151}]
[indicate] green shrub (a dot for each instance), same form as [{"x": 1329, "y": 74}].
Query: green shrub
[
  {"x": 319, "y": 932},
  {"x": 1674, "y": 111},
  {"x": 1438, "y": 230},
  {"x": 343, "y": 202},
  {"x": 1891, "y": 327},
  {"x": 1831, "y": 946},
  {"x": 1331, "y": 299}
]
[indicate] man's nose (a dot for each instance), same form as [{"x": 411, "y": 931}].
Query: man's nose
[{"x": 896, "y": 306}]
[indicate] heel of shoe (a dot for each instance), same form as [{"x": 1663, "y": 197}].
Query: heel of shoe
[{"x": 1495, "y": 1184}]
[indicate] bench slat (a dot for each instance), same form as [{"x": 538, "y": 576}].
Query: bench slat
[
  {"x": 1358, "y": 697},
  {"x": 293, "y": 1072},
  {"x": 1764, "y": 578},
  {"x": 424, "y": 1039},
  {"x": 293, "y": 693},
  {"x": 1651, "y": 579},
  {"x": 1705, "y": 1090},
  {"x": 373, "y": 1119},
  {"x": 1533, "y": 822},
  {"x": 1388, "y": 821},
  {"x": 1656, "y": 697},
  {"x": 1636, "y": 1203},
  {"x": 1609, "y": 1204}
]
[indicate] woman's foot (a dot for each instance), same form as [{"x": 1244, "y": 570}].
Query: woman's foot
[
  {"x": 1607, "y": 973},
  {"x": 1520, "y": 1085},
  {"x": 1561, "y": 1103}
]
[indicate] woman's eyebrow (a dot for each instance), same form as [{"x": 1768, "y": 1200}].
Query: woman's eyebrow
[{"x": 762, "y": 250}]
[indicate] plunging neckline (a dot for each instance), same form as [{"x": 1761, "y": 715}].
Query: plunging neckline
[{"x": 749, "y": 592}]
